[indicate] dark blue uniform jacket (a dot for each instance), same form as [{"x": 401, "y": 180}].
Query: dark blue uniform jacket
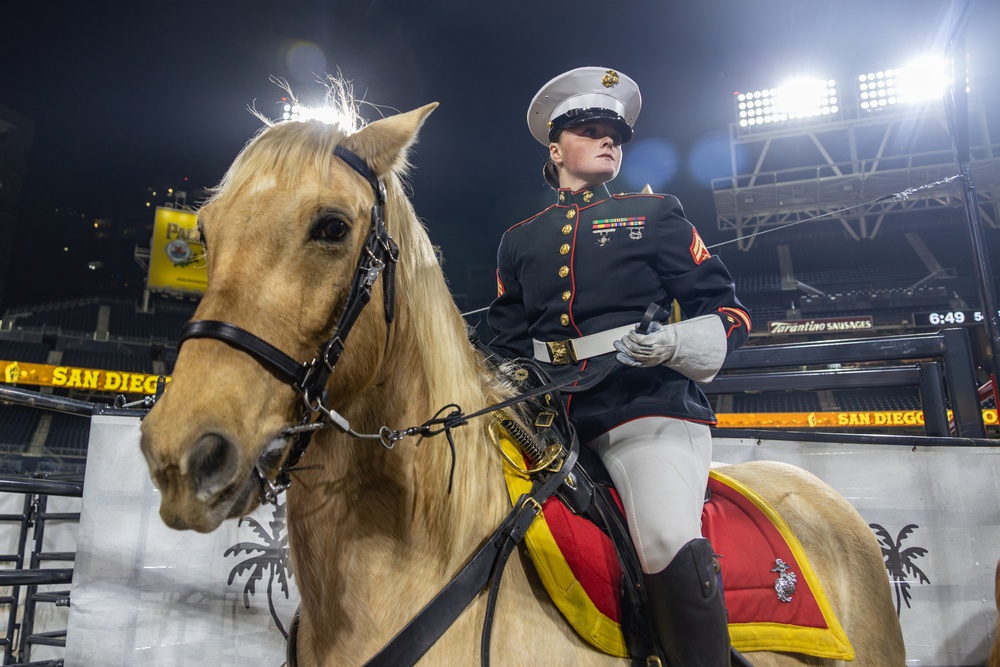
[{"x": 594, "y": 261}]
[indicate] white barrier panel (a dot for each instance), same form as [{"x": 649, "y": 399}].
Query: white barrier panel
[
  {"x": 144, "y": 594},
  {"x": 938, "y": 513},
  {"x": 147, "y": 595}
]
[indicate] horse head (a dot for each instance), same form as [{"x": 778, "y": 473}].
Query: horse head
[{"x": 283, "y": 233}]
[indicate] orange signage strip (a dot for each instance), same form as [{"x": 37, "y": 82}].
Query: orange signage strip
[
  {"x": 70, "y": 377},
  {"x": 861, "y": 420}
]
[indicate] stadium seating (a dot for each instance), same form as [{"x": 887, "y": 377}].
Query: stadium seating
[{"x": 17, "y": 424}]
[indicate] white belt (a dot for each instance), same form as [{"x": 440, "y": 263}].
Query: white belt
[{"x": 562, "y": 352}]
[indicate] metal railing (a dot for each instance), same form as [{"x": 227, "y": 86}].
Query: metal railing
[
  {"x": 944, "y": 363},
  {"x": 27, "y": 570}
]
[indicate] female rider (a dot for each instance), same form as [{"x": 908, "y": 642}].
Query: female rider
[{"x": 573, "y": 281}]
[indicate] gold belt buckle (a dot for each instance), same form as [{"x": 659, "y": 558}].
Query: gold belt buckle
[{"x": 562, "y": 352}]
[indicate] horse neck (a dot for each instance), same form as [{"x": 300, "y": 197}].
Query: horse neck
[{"x": 372, "y": 522}]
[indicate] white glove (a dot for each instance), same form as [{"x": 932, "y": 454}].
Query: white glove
[
  {"x": 694, "y": 348},
  {"x": 647, "y": 350}
]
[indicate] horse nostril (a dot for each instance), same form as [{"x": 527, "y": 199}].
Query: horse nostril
[{"x": 212, "y": 464}]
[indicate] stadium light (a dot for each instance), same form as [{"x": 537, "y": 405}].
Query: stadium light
[
  {"x": 798, "y": 99},
  {"x": 922, "y": 80},
  {"x": 292, "y": 111}
]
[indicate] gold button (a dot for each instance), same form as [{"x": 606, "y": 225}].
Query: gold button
[
  {"x": 570, "y": 214},
  {"x": 587, "y": 196},
  {"x": 564, "y": 249},
  {"x": 566, "y": 295},
  {"x": 563, "y": 271},
  {"x": 567, "y": 229},
  {"x": 564, "y": 319}
]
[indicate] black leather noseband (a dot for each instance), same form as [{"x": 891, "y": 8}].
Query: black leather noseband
[{"x": 309, "y": 378}]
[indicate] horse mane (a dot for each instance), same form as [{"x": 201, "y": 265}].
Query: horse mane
[{"x": 441, "y": 353}]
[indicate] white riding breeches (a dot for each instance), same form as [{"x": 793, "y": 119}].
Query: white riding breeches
[{"x": 660, "y": 468}]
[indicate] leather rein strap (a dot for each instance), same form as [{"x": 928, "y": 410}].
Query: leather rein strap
[
  {"x": 379, "y": 253},
  {"x": 486, "y": 566}
]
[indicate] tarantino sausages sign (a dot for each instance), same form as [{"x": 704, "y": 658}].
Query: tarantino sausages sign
[{"x": 825, "y": 325}]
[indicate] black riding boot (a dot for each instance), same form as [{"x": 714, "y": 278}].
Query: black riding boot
[{"x": 688, "y": 615}]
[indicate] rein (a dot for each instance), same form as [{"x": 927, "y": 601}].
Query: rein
[
  {"x": 485, "y": 567},
  {"x": 378, "y": 253}
]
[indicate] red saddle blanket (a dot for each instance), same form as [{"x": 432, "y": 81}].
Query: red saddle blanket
[{"x": 774, "y": 599}]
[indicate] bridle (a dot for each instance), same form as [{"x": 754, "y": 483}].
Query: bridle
[{"x": 378, "y": 253}]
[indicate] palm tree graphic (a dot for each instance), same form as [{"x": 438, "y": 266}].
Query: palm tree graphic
[
  {"x": 899, "y": 562},
  {"x": 272, "y": 559}
]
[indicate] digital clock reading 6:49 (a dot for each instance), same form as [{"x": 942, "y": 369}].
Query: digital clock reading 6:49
[{"x": 946, "y": 317}]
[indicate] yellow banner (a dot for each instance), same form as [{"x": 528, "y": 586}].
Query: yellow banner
[
  {"x": 176, "y": 255},
  {"x": 861, "y": 420},
  {"x": 43, "y": 375}
]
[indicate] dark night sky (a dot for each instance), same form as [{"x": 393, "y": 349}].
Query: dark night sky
[{"x": 139, "y": 93}]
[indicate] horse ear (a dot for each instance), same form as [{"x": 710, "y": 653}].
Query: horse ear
[{"x": 384, "y": 143}]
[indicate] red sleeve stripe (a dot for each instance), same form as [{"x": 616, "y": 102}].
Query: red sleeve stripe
[{"x": 741, "y": 315}]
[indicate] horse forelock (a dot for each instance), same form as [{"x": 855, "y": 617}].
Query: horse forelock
[{"x": 281, "y": 155}]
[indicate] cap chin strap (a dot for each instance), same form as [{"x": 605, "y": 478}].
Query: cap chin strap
[{"x": 378, "y": 252}]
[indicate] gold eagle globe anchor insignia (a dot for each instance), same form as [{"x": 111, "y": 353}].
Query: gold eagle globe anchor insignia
[{"x": 784, "y": 585}]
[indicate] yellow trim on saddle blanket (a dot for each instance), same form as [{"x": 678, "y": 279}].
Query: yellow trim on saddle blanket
[
  {"x": 557, "y": 577},
  {"x": 831, "y": 642},
  {"x": 606, "y": 635}
]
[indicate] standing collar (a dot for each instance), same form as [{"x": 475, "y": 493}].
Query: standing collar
[{"x": 582, "y": 198}]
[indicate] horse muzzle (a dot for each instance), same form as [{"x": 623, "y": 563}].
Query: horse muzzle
[{"x": 207, "y": 485}]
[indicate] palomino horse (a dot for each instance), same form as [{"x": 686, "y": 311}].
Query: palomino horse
[{"x": 378, "y": 526}]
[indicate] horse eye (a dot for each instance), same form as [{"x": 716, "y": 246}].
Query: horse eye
[
  {"x": 201, "y": 238},
  {"x": 329, "y": 228}
]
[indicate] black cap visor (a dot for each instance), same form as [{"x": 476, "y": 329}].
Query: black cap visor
[{"x": 575, "y": 117}]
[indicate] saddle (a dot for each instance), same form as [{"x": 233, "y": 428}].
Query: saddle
[{"x": 583, "y": 554}]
